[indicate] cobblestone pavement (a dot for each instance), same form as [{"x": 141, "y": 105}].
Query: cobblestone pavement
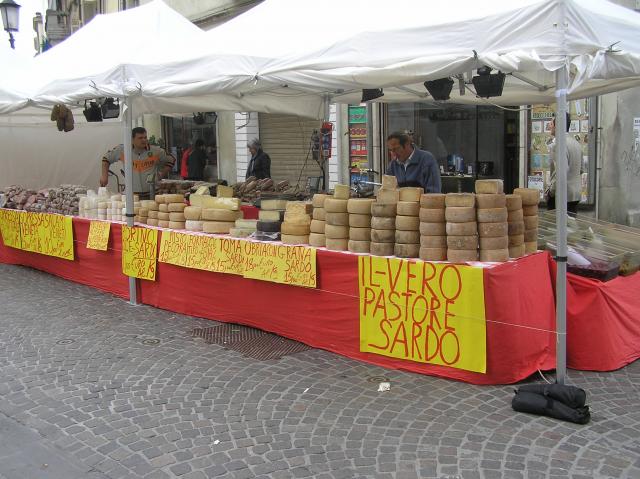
[{"x": 81, "y": 371}]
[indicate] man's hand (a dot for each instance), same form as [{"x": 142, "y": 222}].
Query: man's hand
[{"x": 104, "y": 179}]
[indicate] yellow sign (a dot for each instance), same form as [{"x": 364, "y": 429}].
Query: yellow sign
[
  {"x": 98, "y": 235},
  {"x": 209, "y": 253},
  {"x": 295, "y": 265},
  {"x": 139, "y": 252},
  {"x": 424, "y": 312},
  {"x": 10, "y": 228},
  {"x": 48, "y": 234}
]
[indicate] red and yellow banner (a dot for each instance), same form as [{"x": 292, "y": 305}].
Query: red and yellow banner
[
  {"x": 139, "y": 252},
  {"x": 98, "y": 237},
  {"x": 10, "y": 228},
  {"x": 294, "y": 265},
  {"x": 47, "y": 233}
]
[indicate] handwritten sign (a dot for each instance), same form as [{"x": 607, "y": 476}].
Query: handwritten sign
[
  {"x": 294, "y": 265},
  {"x": 139, "y": 252},
  {"x": 98, "y": 235},
  {"x": 10, "y": 228},
  {"x": 209, "y": 253},
  {"x": 424, "y": 312},
  {"x": 48, "y": 234}
]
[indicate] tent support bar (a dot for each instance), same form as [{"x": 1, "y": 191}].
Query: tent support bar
[
  {"x": 128, "y": 181},
  {"x": 529, "y": 81},
  {"x": 413, "y": 92}
]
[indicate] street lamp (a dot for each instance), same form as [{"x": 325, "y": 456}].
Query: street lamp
[{"x": 9, "y": 10}]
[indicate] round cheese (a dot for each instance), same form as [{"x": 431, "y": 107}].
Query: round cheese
[
  {"x": 516, "y": 240},
  {"x": 530, "y": 196},
  {"x": 193, "y": 225},
  {"x": 411, "y": 193},
  {"x": 163, "y": 207},
  {"x": 407, "y": 237},
  {"x": 432, "y": 200},
  {"x": 530, "y": 222},
  {"x": 335, "y": 244},
  {"x": 492, "y": 229},
  {"x": 177, "y": 217},
  {"x": 515, "y": 228},
  {"x": 514, "y": 202},
  {"x": 337, "y": 219},
  {"x": 318, "y": 200},
  {"x": 176, "y": 225},
  {"x": 434, "y": 242},
  {"x": 318, "y": 240},
  {"x": 432, "y": 229},
  {"x": 462, "y": 229},
  {"x": 176, "y": 207},
  {"x": 333, "y": 205},
  {"x": 360, "y": 221},
  {"x": 215, "y": 214},
  {"x": 406, "y": 250},
  {"x": 492, "y": 215},
  {"x": 240, "y": 232},
  {"x": 458, "y": 200},
  {"x": 516, "y": 251},
  {"x": 383, "y": 223},
  {"x": 515, "y": 215},
  {"x": 159, "y": 199},
  {"x": 497, "y": 242},
  {"x": 292, "y": 229},
  {"x": 294, "y": 239},
  {"x": 383, "y": 236},
  {"x": 462, "y": 242},
  {"x": 217, "y": 226},
  {"x": 489, "y": 186},
  {"x": 383, "y": 210},
  {"x": 360, "y": 206},
  {"x": 163, "y": 223},
  {"x": 432, "y": 254},
  {"x": 152, "y": 221},
  {"x": 494, "y": 255},
  {"x": 408, "y": 223},
  {"x": 149, "y": 204},
  {"x": 268, "y": 226},
  {"x": 319, "y": 214},
  {"x": 460, "y": 214},
  {"x": 530, "y": 247},
  {"x": 317, "y": 226},
  {"x": 530, "y": 236},
  {"x": 361, "y": 234},
  {"x": 432, "y": 215},
  {"x": 142, "y": 220},
  {"x": 358, "y": 246},
  {"x": 297, "y": 218},
  {"x": 153, "y": 214},
  {"x": 336, "y": 232},
  {"x": 173, "y": 198},
  {"x": 163, "y": 216},
  {"x": 408, "y": 208},
  {"x": 381, "y": 249},
  {"x": 531, "y": 210},
  {"x": 192, "y": 213},
  {"x": 462, "y": 255},
  {"x": 486, "y": 201}
]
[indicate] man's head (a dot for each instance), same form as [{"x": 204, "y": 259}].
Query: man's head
[
  {"x": 254, "y": 146},
  {"x": 399, "y": 145},
  {"x": 567, "y": 125},
  {"x": 139, "y": 138},
  {"x": 199, "y": 143}
]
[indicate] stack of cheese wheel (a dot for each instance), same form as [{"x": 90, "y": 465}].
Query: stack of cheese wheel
[
  {"x": 175, "y": 207},
  {"x": 407, "y": 237},
  {"x": 491, "y": 209},
  {"x": 359, "y": 210},
  {"x": 114, "y": 209},
  {"x": 336, "y": 229},
  {"x": 516, "y": 226},
  {"x": 296, "y": 226},
  {"x": 102, "y": 208},
  {"x": 462, "y": 229},
  {"x": 243, "y": 228},
  {"x": 192, "y": 217},
  {"x": 145, "y": 207},
  {"x": 270, "y": 218},
  {"x": 219, "y": 215},
  {"x": 163, "y": 211},
  {"x": 136, "y": 209},
  {"x": 316, "y": 237},
  {"x": 383, "y": 217},
  {"x": 433, "y": 233},
  {"x": 530, "y": 199}
]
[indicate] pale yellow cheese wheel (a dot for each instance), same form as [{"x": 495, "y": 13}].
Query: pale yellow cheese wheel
[
  {"x": 496, "y": 242},
  {"x": 319, "y": 214},
  {"x": 334, "y": 244},
  {"x": 530, "y": 222},
  {"x": 492, "y": 215},
  {"x": 432, "y": 229},
  {"x": 531, "y": 236},
  {"x": 360, "y": 234},
  {"x": 297, "y": 218},
  {"x": 406, "y": 250},
  {"x": 408, "y": 223},
  {"x": 159, "y": 199},
  {"x": 149, "y": 204},
  {"x": 432, "y": 200},
  {"x": 515, "y": 228},
  {"x": 316, "y": 239},
  {"x": 163, "y": 207},
  {"x": 144, "y": 212},
  {"x": 407, "y": 237},
  {"x": 318, "y": 200},
  {"x": 486, "y": 200},
  {"x": 193, "y": 213},
  {"x": 492, "y": 229},
  {"x": 293, "y": 229},
  {"x": 240, "y": 232},
  {"x": 383, "y": 236},
  {"x": 163, "y": 216},
  {"x": 462, "y": 242},
  {"x": 193, "y": 225},
  {"x": 176, "y": 225},
  {"x": 411, "y": 193},
  {"x": 515, "y": 215},
  {"x": 294, "y": 239},
  {"x": 382, "y": 249},
  {"x": 462, "y": 229},
  {"x": 358, "y": 246},
  {"x": 494, "y": 255},
  {"x": 434, "y": 242},
  {"x": 153, "y": 214},
  {"x": 216, "y": 214},
  {"x": 432, "y": 215},
  {"x": 163, "y": 223},
  {"x": 514, "y": 202},
  {"x": 516, "y": 251},
  {"x": 531, "y": 210},
  {"x": 530, "y": 247},
  {"x": 489, "y": 186},
  {"x": 460, "y": 200},
  {"x": 383, "y": 223},
  {"x": 516, "y": 240},
  {"x": 408, "y": 208},
  {"x": 337, "y": 219},
  {"x": 460, "y": 214},
  {"x": 384, "y": 210},
  {"x": 317, "y": 226},
  {"x": 333, "y": 205},
  {"x": 220, "y": 227},
  {"x": 142, "y": 220},
  {"x": 387, "y": 196},
  {"x": 360, "y": 206},
  {"x": 152, "y": 221},
  {"x": 176, "y": 207},
  {"x": 432, "y": 254},
  {"x": 173, "y": 198},
  {"x": 360, "y": 221},
  {"x": 530, "y": 196},
  {"x": 462, "y": 255},
  {"x": 336, "y": 232},
  {"x": 177, "y": 217}
]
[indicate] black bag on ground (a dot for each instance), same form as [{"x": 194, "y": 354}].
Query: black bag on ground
[
  {"x": 531, "y": 402},
  {"x": 569, "y": 395}
]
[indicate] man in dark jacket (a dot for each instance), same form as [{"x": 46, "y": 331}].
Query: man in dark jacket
[
  {"x": 411, "y": 166},
  {"x": 260, "y": 163},
  {"x": 197, "y": 161}
]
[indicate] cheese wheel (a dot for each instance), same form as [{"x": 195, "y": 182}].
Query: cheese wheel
[
  {"x": 432, "y": 229},
  {"x": 358, "y": 246},
  {"x": 317, "y": 239},
  {"x": 530, "y": 196},
  {"x": 432, "y": 254},
  {"x": 530, "y": 222},
  {"x": 341, "y": 192},
  {"x": 268, "y": 226},
  {"x": 317, "y": 226},
  {"x": 492, "y": 215},
  {"x": 335, "y": 244},
  {"x": 297, "y": 218},
  {"x": 516, "y": 240},
  {"x": 383, "y": 236},
  {"x": 319, "y": 214},
  {"x": 215, "y": 214},
  {"x": 333, "y": 205},
  {"x": 389, "y": 182},
  {"x": 408, "y": 208},
  {"x": 462, "y": 255},
  {"x": 337, "y": 219},
  {"x": 384, "y": 211},
  {"x": 163, "y": 216},
  {"x": 193, "y": 225},
  {"x": 192, "y": 213},
  {"x": 247, "y": 224},
  {"x": 152, "y": 221},
  {"x": 516, "y": 251},
  {"x": 530, "y": 236},
  {"x": 163, "y": 207},
  {"x": 387, "y": 196},
  {"x": 176, "y": 207},
  {"x": 515, "y": 228},
  {"x": 159, "y": 199},
  {"x": 407, "y": 237},
  {"x": 293, "y": 229},
  {"x": 163, "y": 223},
  {"x": 494, "y": 255},
  {"x": 177, "y": 217},
  {"x": 434, "y": 242},
  {"x": 486, "y": 201},
  {"x": 219, "y": 227},
  {"x": 462, "y": 229},
  {"x": 492, "y": 229},
  {"x": 153, "y": 214},
  {"x": 177, "y": 225},
  {"x": 432, "y": 215},
  {"x": 318, "y": 200},
  {"x": 294, "y": 208},
  {"x": 530, "y": 247},
  {"x": 143, "y": 212},
  {"x": 514, "y": 202},
  {"x": 411, "y": 193},
  {"x": 240, "y": 232},
  {"x": 361, "y": 234},
  {"x": 173, "y": 198},
  {"x": 408, "y": 223},
  {"x": 294, "y": 239},
  {"x": 489, "y": 186},
  {"x": 432, "y": 200},
  {"x": 406, "y": 250},
  {"x": 515, "y": 215},
  {"x": 497, "y": 242},
  {"x": 360, "y": 221},
  {"x": 360, "y": 206},
  {"x": 381, "y": 249},
  {"x": 460, "y": 200},
  {"x": 462, "y": 242},
  {"x": 149, "y": 204},
  {"x": 272, "y": 215},
  {"x": 142, "y": 220},
  {"x": 460, "y": 214},
  {"x": 383, "y": 223},
  {"x": 531, "y": 210},
  {"x": 336, "y": 232}
]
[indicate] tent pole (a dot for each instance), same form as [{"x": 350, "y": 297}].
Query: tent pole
[
  {"x": 561, "y": 224},
  {"x": 128, "y": 181}
]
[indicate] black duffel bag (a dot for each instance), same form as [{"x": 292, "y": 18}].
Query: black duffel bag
[
  {"x": 534, "y": 403},
  {"x": 569, "y": 395}
]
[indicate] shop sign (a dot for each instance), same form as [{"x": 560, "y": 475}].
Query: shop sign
[
  {"x": 47, "y": 233},
  {"x": 294, "y": 265},
  {"x": 139, "y": 252},
  {"x": 10, "y": 228},
  {"x": 98, "y": 235},
  {"x": 424, "y": 312}
]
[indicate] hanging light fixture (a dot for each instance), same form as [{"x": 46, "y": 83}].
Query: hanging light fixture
[
  {"x": 110, "y": 108},
  {"x": 92, "y": 112},
  {"x": 439, "y": 89},
  {"x": 369, "y": 94},
  {"x": 488, "y": 84},
  {"x": 10, "y": 18}
]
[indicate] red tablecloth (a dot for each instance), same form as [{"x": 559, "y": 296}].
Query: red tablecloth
[{"x": 518, "y": 298}]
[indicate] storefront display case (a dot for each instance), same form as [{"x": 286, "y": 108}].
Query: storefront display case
[{"x": 358, "y": 149}]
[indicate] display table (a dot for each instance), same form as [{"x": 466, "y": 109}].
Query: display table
[{"x": 519, "y": 304}]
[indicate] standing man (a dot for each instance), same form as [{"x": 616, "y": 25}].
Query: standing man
[
  {"x": 411, "y": 166},
  {"x": 197, "y": 161},
  {"x": 260, "y": 163},
  {"x": 184, "y": 171},
  {"x": 149, "y": 162},
  {"x": 574, "y": 180}
]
